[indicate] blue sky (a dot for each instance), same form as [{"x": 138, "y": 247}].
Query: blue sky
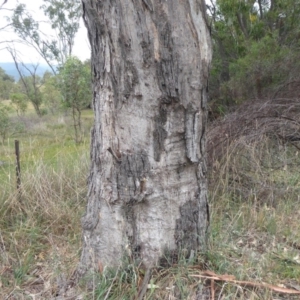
[{"x": 81, "y": 47}]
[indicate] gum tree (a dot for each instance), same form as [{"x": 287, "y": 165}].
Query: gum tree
[
  {"x": 63, "y": 16},
  {"x": 30, "y": 85},
  {"x": 147, "y": 185},
  {"x": 75, "y": 86},
  {"x": 6, "y": 84}
]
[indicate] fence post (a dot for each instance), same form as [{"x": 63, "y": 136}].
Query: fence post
[{"x": 18, "y": 167}]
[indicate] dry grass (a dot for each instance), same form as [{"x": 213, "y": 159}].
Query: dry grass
[
  {"x": 40, "y": 233},
  {"x": 252, "y": 122},
  {"x": 40, "y": 229},
  {"x": 254, "y": 194},
  {"x": 254, "y": 233}
]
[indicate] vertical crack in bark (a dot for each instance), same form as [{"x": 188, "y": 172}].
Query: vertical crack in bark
[
  {"x": 148, "y": 4},
  {"x": 187, "y": 232},
  {"x": 167, "y": 68},
  {"x": 90, "y": 220},
  {"x": 159, "y": 134},
  {"x": 133, "y": 172},
  {"x": 204, "y": 215},
  {"x": 146, "y": 43},
  {"x": 147, "y": 53},
  {"x": 204, "y": 93},
  {"x": 131, "y": 79}
]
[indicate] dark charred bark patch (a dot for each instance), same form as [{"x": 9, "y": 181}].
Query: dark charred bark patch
[
  {"x": 96, "y": 50},
  {"x": 147, "y": 53},
  {"x": 187, "y": 227},
  {"x": 159, "y": 134},
  {"x": 168, "y": 100},
  {"x": 167, "y": 76},
  {"x": 132, "y": 176},
  {"x": 132, "y": 189},
  {"x": 90, "y": 220},
  {"x": 131, "y": 230},
  {"x": 167, "y": 67},
  {"x": 123, "y": 88},
  {"x": 142, "y": 31},
  {"x": 131, "y": 79},
  {"x": 129, "y": 215},
  {"x": 125, "y": 43},
  {"x": 148, "y": 4}
]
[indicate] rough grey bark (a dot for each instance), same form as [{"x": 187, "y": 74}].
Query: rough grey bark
[{"x": 147, "y": 184}]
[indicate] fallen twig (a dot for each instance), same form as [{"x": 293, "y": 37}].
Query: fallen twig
[{"x": 230, "y": 278}]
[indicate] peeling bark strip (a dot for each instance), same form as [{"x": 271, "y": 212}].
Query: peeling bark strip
[{"x": 147, "y": 184}]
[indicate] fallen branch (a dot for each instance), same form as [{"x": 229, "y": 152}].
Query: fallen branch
[{"x": 230, "y": 278}]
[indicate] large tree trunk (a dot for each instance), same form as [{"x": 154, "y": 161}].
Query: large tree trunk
[{"x": 147, "y": 185}]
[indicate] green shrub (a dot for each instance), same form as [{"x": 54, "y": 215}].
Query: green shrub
[{"x": 4, "y": 122}]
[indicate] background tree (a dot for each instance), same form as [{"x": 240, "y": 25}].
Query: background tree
[
  {"x": 75, "y": 86},
  {"x": 52, "y": 97},
  {"x": 30, "y": 85},
  {"x": 27, "y": 28},
  {"x": 4, "y": 9},
  {"x": 147, "y": 185},
  {"x": 63, "y": 17},
  {"x": 6, "y": 85},
  {"x": 4, "y": 122},
  {"x": 255, "y": 48},
  {"x": 19, "y": 102}
]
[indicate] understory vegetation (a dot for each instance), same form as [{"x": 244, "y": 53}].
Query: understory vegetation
[{"x": 254, "y": 234}]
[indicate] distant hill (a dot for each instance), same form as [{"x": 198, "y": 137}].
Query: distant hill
[{"x": 10, "y": 69}]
